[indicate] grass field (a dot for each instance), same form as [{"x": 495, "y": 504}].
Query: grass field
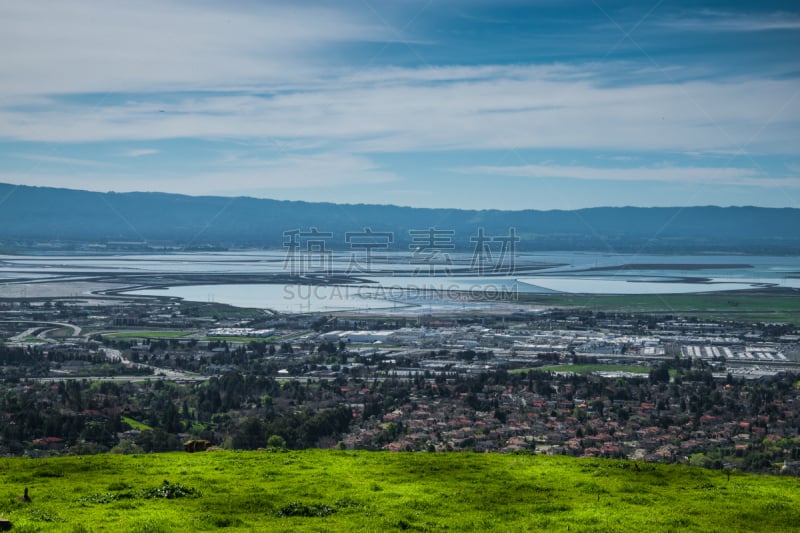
[
  {"x": 135, "y": 424},
  {"x": 326, "y": 490},
  {"x": 147, "y": 334},
  {"x": 747, "y": 306},
  {"x": 60, "y": 333},
  {"x": 220, "y": 310},
  {"x": 137, "y": 335},
  {"x": 584, "y": 369}
]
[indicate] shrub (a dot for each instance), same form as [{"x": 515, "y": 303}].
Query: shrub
[
  {"x": 170, "y": 491},
  {"x": 305, "y": 509}
]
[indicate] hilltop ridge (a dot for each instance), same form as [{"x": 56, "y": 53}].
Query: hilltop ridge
[{"x": 32, "y": 214}]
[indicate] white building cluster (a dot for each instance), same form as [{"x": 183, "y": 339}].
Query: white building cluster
[{"x": 240, "y": 332}]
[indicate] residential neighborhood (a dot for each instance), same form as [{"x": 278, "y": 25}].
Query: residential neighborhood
[{"x": 148, "y": 377}]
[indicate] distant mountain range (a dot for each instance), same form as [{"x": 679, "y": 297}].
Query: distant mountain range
[{"x": 40, "y": 214}]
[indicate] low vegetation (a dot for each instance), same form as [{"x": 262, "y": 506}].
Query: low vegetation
[
  {"x": 316, "y": 490},
  {"x": 148, "y": 334},
  {"x": 770, "y": 305},
  {"x": 585, "y": 369}
]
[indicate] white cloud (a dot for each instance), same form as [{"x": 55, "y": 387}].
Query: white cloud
[
  {"x": 94, "y": 46},
  {"x": 63, "y": 161},
  {"x": 271, "y": 77},
  {"x": 141, "y": 152},
  {"x": 617, "y": 157},
  {"x": 670, "y": 174},
  {"x": 302, "y": 171},
  {"x": 448, "y": 108},
  {"x": 712, "y": 20},
  {"x": 248, "y": 176}
]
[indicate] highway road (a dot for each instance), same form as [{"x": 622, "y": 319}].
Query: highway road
[{"x": 42, "y": 335}]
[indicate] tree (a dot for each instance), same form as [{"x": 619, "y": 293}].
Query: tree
[
  {"x": 248, "y": 435},
  {"x": 276, "y": 441},
  {"x": 660, "y": 374},
  {"x": 126, "y": 446}
]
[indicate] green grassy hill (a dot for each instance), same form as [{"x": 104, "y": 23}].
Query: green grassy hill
[{"x": 325, "y": 490}]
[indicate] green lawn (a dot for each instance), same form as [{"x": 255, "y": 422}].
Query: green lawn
[
  {"x": 59, "y": 333},
  {"x": 135, "y": 424},
  {"x": 326, "y": 490}
]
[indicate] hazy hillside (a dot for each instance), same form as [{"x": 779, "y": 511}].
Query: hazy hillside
[{"x": 46, "y": 214}]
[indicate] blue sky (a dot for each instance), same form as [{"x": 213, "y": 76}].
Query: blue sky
[{"x": 431, "y": 103}]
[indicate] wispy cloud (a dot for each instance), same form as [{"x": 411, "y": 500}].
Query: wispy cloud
[
  {"x": 672, "y": 174},
  {"x": 68, "y": 161},
  {"x": 713, "y": 20},
  {"x": 327, "y": 170},
  {"x": 617, "y": 157},
  {"x": 96, "y": 46},
  {"x": 141, "y": 152},
  {"x": 514, "y": 107},
  {"x": 259, "y": 177},
  {"x": 278, "y": 97}
]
